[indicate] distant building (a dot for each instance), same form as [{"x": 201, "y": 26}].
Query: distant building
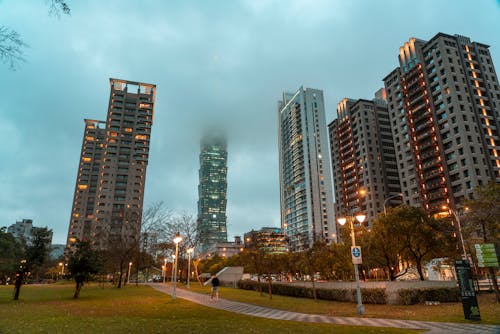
[
  {"x": 109, "y": 190},
  {"x": 224, "y": 249},
  {"x": 212, "y": 191},
  {"x": 23, "y": 230},
  {"x": 443, "y": 101},
  {"x": 305, "y": 173},
  {"x": 272, "y": 240},
  {"x": 364, "y": 163}
]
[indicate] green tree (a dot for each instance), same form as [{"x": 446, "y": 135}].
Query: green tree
[
  {"x": 82, "y": 264},
  {"x": 253, "y": 262},
  {"x": 383, "y": 246},
  {"x": 422, "y": 237},
  {"x": 314, "y": 260},
  {"x": 36, "y": 253},
  {"x": 482, "y": 221},
  {"x": 10, "y": 255}
]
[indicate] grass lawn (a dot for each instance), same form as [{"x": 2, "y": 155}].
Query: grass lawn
[
  {"x": 51, "y": 309},
  {"x": 448, "y": 312}
]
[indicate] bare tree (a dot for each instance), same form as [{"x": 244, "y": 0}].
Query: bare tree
[
  {"x": 11, "y": 47},
  {"x": 11, "y": 43}
]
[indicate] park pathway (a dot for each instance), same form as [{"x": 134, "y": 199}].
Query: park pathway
[{"x": 264, "y": 312}]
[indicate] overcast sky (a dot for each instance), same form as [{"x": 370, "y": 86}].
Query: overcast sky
[{"x": 216, "y": 59}]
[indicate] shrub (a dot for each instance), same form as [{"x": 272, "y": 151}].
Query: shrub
[
  {"x": 370, "y": 296},
  {"x": 415, "y": 296}
]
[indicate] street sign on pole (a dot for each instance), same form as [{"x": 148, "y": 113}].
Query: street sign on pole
[
  {"x": 486, "y": 255},
  {"x": 469, "y": 299},
  {"x": 356, "y": 254}
]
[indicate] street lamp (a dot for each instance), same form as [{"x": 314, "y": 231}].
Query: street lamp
[
  {"x": 128, "y": 276},
  {"x": 177, "y": 239},
  {"x": 189, "y": 251},
  {"x": 360, "y": 218},
  {"x": 390, "y": 197},
  {"x": 457, "y": 218},
  {"x": 62, "y": 268},
  {"x": 164, "y": 270}
]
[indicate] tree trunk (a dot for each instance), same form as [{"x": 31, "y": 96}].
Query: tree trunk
[
  {"x": 121, "y": 276},
  {"x": 259, "y": 284},
  {"x": 314, "y": 288},
  {"x": 270, "y": 286},
  {"x": 17, "y": 284},
  {"x": 419, "y": 269},
  {"x": 77, "y": 289},
  {"x": 491, "y": 271}
]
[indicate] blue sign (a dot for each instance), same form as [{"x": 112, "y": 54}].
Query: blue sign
[{"x": 356, "y": 254}]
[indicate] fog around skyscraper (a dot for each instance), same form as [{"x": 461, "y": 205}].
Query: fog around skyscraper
[{"x": 225, "y": 60}]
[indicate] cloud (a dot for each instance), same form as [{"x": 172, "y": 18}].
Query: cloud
[{"x": 221, "y": 62}]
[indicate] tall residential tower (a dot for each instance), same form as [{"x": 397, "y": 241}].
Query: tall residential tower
[
  {"x": 305, "y": 174},
  {"x": 364, "y": 164},
  {"x": 212, "y": 191},
  {"x": 444, "y": 104},
  {"x": 109, "y": 191}
]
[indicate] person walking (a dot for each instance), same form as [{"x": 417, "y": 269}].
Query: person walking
[{"x": 215, "y": 288}]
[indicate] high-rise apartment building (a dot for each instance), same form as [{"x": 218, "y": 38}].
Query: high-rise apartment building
[
  {"x": 444, "y": 105},
  {"x": 212, "y": 191},
  {"x": 109, "y": 191},
  {"x": 84, "y": 200},
  {"x": 364, "y": 163},
  {"x": 305, "y": 176}
]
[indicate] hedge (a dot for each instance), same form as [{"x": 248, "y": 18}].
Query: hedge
[
  {"x": 370, "y": 296},
  {"x": 415, "y": 296}
]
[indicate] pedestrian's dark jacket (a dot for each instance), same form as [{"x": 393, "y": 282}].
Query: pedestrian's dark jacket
[{"x": 215, "y": 281}]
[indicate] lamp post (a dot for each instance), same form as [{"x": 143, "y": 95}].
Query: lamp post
[
  {"x": 189, "y": 251},
  {"x": 164, "y": 270},
  {"x": 172, "y": 274},
  {"x": 128, "y": 275},
  {"x": 360, "y": 218},
  {"x": 62, "y": 268},
  {"x": 390, "y": 197},
  {"x": 457, "y": 218},
  {"x": 177, "y": 239}
]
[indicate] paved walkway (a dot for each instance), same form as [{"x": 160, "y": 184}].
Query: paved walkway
[{"x": 264, "y": 312}]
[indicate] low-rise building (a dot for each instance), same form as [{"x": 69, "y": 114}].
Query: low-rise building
[
  {"x": 271, "y": 240},
  {"x": 225, "y": 249}
]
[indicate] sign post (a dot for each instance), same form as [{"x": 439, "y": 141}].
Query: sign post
[
  {"x": 486, "y": 255},
  {"x": 469, "y": 299},
  {"x": 356, "y": 255}
]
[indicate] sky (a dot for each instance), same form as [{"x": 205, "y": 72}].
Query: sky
[{"x": 219, "y": 60}]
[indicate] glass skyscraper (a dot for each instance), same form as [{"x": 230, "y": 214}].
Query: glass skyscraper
[
  {"x": 305, "y": 172},
  {"x": 212, "y": 191}
]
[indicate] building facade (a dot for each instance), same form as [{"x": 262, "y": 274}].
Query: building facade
[
  {"x": 224, "y": 249},
  {"x": 271, "y": 240},
  {"x": 212, "y": 191},
  {"x": 305, "y": 175},
  {"x": 444, "y": 102},
  {"x": 24, "y": 230},
  {"x": 109, "y": 192},
  {"x": 363, "y": 158}
]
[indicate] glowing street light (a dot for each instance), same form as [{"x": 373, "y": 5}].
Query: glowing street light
[
  {"x": 164, "y": 270},
  {"x": 342, "y": 220},
  {"x": 128, "y": 276},
  {"x": 189, "y": 251},
  {"x": 62, "y": 268},
  {"x": 177, "y": 239}
]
